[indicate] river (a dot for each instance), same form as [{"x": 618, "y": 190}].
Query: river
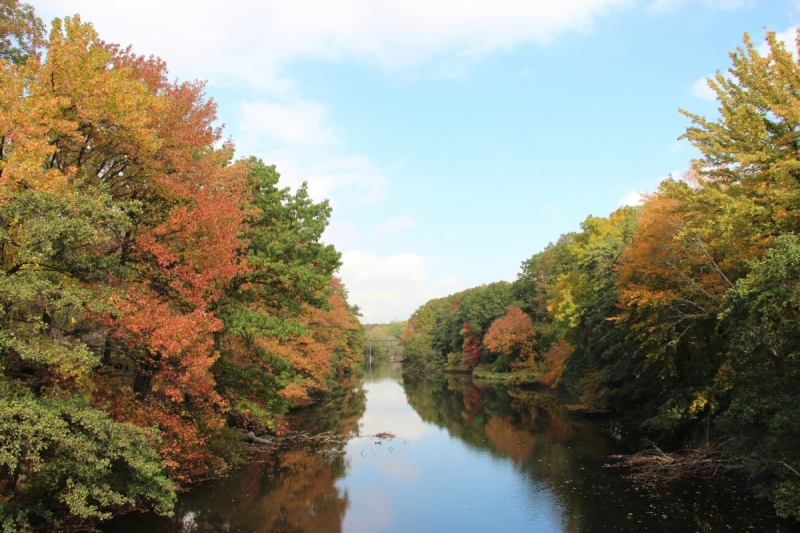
[{"x": 467, "y": 457}]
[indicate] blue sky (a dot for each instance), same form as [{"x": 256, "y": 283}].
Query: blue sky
[{"x": 454, "y": 139}]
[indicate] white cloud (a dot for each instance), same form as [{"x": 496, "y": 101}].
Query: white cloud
[
  {"x": 789, "y": 38},
  {"x": 395, "y": 225},
  {"x": 389, "y": 287},
  {"x": 677, "y": 146},
  {"x": 451, "y": 284},
  {"x": 700, "y": 89},
  {"x": 374, "y": 196},
  {"x": 245, "y": 47},
  {"x": 668, "y": 5},
  {"x": 632, "y": 198},
  {"x": 342, "y": 234},
  {"x": 302, "y": 122},
  {"x": 351, "y": 177},
  {"x": 384, "y": 287},
  {"x": 365, "y": 269},
  {"x": 252, "y": 39}
]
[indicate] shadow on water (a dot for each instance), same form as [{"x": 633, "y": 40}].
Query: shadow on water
[{"x": 468, "y": 457}]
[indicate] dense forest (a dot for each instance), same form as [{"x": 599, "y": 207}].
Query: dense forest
[
  {"x": 157, "y": 295},
  {"x": 682, "y": 314}
]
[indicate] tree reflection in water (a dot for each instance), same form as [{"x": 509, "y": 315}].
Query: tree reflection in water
[
  {"x": 561, "y": 454},
  {"x": 292, "y": 491}
]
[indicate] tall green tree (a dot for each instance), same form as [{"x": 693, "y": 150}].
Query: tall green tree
[{"x": 762, "y": 318}]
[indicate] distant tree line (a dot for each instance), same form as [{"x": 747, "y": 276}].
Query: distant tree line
[
  {"x": 683, "y": 313},
  {"x": 383, "y": 340}
]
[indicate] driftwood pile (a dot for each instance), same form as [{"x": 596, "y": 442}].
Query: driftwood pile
[
  {"x": 652, "y": 466},
  {"x": 299, "y": 438}
]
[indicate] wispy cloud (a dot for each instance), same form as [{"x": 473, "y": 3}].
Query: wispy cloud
[
  {"x": 245, "y": 49},
  {"x": 391, "y": 286},
  {"x": 632, "y": 198},
  {"x": 253, "y": 39},
  {"x": 342, "y": 234},
  {"x": 301, "y": 122},
  {"x": 353, "y": 178},
  {"x": 700, "y": 89},
  {"x": 789, "y": 38},
  {"x": 450, "y": 283},
  {"x": 661, "y": 6},
  {"x": 550, "y": 210},
  {"x": 395, "y": 225},
  {"x": 677, "y": 146}
]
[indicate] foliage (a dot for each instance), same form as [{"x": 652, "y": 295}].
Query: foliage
[
  {"x": 762, "y": 318},
  {"x": 555, "y": 358},
  {"x": 153, "y": 290},
  {"x": 384, "y": 339},
  {"x": 512, "y": 336},
  {"x": 452, "y": 328},
  {"x": 272, "y": 354},
  {"x": 21, "y": 31},
  {"x": 61, "y": 454}
]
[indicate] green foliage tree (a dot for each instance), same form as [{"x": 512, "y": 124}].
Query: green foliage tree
[
  {"x": 289, "y": 271},
  {"x": 69, "y": 462},
  {"x": 762, "y": 318}
]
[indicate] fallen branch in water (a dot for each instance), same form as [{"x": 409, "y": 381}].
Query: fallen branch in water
[
  {"x": 301, "y": 437},
  {"x": 251, "y": 438},
  {"x": 652, "y": 466},
  {"x": 331, "y": 453}
]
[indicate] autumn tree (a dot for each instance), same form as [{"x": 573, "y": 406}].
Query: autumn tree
[
  {"x": 679, "y": 314},
  {"x": 512, "y": 336},
  {"x": 448, "y": 332},
  {"x": 60, "y": 225},
  {"x": 752, "y": 146},
  {"x": 270, "y": 305},
  {"x": 418, "y": 350},
  {"x": 672, "y": 280},
  {"x": 147, "y": 280}
]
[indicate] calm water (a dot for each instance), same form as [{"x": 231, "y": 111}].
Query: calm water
[{"x": 467, "y": 457}]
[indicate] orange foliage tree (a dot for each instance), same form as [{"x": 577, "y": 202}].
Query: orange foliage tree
[
  {"x": 148, "y": 280},
  {"x": 687, "y": 253},
  {"x": 513, "y": 336},
  {"x": 555, "y": 358}
]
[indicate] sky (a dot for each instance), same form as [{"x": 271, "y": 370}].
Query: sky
[{"x": 453, "y": 139}]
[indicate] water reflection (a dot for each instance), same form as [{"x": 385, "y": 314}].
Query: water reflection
[
  {"x": 558, "y": 458},
  {"x": 293, "y": 491},
  {"x": 467, "y": 457}
]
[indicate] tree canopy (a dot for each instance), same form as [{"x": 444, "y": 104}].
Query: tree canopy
[{"x": 157, "y": 294}]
